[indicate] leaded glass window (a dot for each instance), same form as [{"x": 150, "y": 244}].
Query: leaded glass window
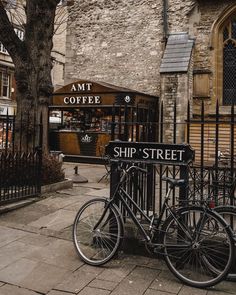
[{"x": 229, "y": 63}]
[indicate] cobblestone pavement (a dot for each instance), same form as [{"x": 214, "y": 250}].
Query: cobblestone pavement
[{"x": 37, "y": 255}]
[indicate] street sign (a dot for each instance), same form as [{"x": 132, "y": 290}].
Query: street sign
[{"x": 175, "y": 154}]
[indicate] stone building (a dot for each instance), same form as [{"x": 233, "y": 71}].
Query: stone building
[{"x": 180, "y": 50}]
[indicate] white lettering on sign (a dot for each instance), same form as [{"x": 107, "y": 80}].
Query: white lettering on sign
[
  {"x": 149, "y": 153},
  {"x": 126, "y": 152},
  {"x": 159, "y": 154},
  {"x": 82, "y": 99},
  {"x": 81, "y": 87}
]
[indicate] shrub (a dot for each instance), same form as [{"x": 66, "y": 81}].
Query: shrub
[{"x": 52, "y": 170}]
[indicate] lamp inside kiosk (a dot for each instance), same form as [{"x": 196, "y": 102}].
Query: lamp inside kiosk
[{"x": 82, "y": 119}]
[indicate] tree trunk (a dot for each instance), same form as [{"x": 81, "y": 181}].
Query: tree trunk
[{"x": 33, "y": 64}]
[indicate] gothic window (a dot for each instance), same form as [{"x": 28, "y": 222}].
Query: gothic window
[{"x": 229, "y": 62}]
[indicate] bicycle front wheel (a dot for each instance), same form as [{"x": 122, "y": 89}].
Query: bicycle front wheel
[
  {"x": 97, "y": 231},
  {"x": 198, "y": 246}
]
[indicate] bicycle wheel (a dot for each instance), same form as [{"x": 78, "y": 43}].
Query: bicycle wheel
[
  {"x": 229, "y": 215},
  {"x": 197, "y": 241},
  {"x": 97, "y": 245}
]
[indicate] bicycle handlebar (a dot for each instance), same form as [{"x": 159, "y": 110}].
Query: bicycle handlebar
[
  {"x": 128, "y": 169},
  {"x": 134, "y": 167}
]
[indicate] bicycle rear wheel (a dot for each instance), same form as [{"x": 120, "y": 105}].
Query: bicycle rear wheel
[
  {"x": 198, "y": 246},
  {"x": 229, "y": 215},
  {"x": 97, "y": 231}
]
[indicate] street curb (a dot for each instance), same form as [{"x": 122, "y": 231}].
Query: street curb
[
  {"x": 18, "y": 204},
  {"x": 67, "y": 183}
]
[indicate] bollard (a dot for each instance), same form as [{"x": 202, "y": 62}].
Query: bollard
[{"x": 77, "y": 178}]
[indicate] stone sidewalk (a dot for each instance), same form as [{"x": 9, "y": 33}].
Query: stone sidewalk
[{"x": 37, "y": 254}]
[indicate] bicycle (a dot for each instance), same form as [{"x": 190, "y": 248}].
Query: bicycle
[
  {"x": 228, "y": 212},
  {"x": 196, "y": 242}
]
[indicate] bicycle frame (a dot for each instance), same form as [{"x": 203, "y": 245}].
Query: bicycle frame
[
  {"x": 121, "y": 195},
  {"x": 124, "y": 197}
]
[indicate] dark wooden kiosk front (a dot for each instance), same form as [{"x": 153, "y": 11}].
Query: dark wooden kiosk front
[{"x": 85, "y": 116}]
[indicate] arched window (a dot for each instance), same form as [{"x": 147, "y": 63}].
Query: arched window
[
  {"x": 229, "y": 62},
  {"x": 223, "y": 43}
]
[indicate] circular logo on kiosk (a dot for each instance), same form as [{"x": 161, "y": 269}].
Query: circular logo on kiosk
[
  {"x": 127, "y": 98},
  {"x": 86, "y": 138}
]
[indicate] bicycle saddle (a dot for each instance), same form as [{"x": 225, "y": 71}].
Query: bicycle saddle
[{"x": 174, "y": 182}]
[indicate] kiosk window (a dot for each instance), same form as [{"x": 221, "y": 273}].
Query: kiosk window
[{"x": 84, "y": 120}]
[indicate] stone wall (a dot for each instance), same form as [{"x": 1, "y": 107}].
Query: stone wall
[
  {"x": 121, "y": 42},
  {"x": 118, "y": 42}
]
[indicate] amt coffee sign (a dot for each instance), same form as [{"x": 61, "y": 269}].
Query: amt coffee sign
[{"x": 176, "y": 154}]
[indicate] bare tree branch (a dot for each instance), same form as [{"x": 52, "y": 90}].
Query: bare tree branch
[{"x": 8, "y": 36}]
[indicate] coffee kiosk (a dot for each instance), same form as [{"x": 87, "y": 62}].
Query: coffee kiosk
[{"x": 84, "y": 116}]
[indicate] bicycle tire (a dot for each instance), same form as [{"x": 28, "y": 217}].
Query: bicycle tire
[
  {"x": 186, "y": 239},
  {"x": 229, "y": 214},
  {"x": 96, "y": 247}
]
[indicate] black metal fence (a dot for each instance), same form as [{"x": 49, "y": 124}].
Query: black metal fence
[
  {"x": 20, "y": 171},
  {"x": 211, "y": 176},
  {"x": 134, "y": 123}
]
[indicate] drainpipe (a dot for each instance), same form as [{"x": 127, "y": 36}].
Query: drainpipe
[{"x": 165, "y": 20}]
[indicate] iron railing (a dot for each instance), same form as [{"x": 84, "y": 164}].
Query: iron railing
[
  {"x": 20, "y": 171},
  {"x": 208, "y": 176}
]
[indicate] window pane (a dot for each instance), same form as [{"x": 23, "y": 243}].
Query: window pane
[
  {"x": 0, "y": 83},
  {"x": 5, "y": 85},
  {"x": 229, "y": 74},
  {"x": 234, "y": 29},
  {"x": 226, "y": 33}
]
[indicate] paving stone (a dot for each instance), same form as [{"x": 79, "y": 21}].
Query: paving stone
[
  {"x": 92, "y": 291},
  {"x": 218, "y": 292},
  {"x": 60, "y": 253},
  {"x": 44, "y": 277},
  {"x": 105, "y": 192},
  {"x": 166, "y": 282},
  {"x": 156, "y": 292},
  {"x": 14, "y": 290},
  {"x": 134, "y": 259},
  {"x": 25, "y": 216},
  {"x": 40, "y": 277},
  {"x": 101, "y": 284},
  {"x": 65, "y": 234},
  {"x": 116, "y": 273},
  {"x": 76, "y": 281},
  {"x": 186, "y": 290},
  {"x": 60, "y": 201},
  {"x": 157, "y": 263},
  {"x": 136, "y": 282},
  {"x": 55, "y": 292},
  {"x": 17, "y": 271},
  {"x": 14, "y": 251},
  {"x": 96, "y": 270},
  {"x": 36, "y": 240},
  {"x": 223, "y": 288},
  {"x": 8, "y": 235},
  {"x": 76, "y": 206},
  {"x": 55, "y": 221}
]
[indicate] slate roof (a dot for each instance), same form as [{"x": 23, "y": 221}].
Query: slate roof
[{"x": 177, "y": 53}]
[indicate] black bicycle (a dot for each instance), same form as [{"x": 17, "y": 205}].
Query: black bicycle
[{"x": 196, "y": 242}]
